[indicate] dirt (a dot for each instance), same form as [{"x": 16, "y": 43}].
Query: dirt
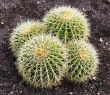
[{"x": 15, "y": 11}]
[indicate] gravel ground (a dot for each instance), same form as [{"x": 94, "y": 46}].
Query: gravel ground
[{"x": 15, "y": 11}]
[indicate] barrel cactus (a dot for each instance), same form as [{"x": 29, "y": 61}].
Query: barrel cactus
[
  {"x": 24, "y": 32},
  {"x": 83, "y": 62},
  {"x": 67, "y": 23},
  {"x": 41, "y": 61}
]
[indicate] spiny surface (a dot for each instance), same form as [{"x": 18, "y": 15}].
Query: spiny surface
[
  {"x": 41, "y": 61},
  {"x": 67, "y": 23},
  {"x": 24, "y": 32},
  {"x": 83, "y": 61}
]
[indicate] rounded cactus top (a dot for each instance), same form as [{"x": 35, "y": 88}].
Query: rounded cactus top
[
  {"x": 28, "y": 27},
  {"x": 67, "y": 23},
  {"x": 41, "y": 61},
  {"x": 24, "y": 32},
  {"x": 83, "y": 61}
]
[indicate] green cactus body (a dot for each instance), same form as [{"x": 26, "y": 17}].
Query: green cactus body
[
  {"x": 83, "y": 61},
  {"x": 24, "y": 32},
  {"x": 67, "y": 23},
  {"x": 41, "y": 61}
]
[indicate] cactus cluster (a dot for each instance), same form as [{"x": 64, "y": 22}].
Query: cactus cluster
[{"x": 56, "y": 48}]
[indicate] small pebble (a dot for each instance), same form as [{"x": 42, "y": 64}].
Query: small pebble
[
  {"x": 108, "y": 65},
  {"x": 106, "y": 43},
  {"x": 71, "y": 93},
  {"x": 94, "y": 78},
  {"x": 84, "y": 9},
  {"x": 21, "y": 91},
  {"x": 2, "y": 23},
  {"x": 14, "y": 86},
  {"x": 11, "y": 93},
  {"x": 38, "y": 2},
  {"x": 43, "y": 1},
  {"x": 103, "y": 47},
  {"x": 101, "y": 40}
]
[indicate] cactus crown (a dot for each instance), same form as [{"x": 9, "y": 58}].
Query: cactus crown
[
  {"x": 40, "y": 52},
  {"x": 66, "y": 15},
  {"x": 27, "y": 28},
  {"x": 83, "y": 54}
]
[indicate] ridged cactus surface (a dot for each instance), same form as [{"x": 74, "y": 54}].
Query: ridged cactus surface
[
  {"x": 24, "y": 32},
  {"x": 67, "y": 23},
  {"x": 41, "y": 61},
  {"x": 83, "y": 61}
]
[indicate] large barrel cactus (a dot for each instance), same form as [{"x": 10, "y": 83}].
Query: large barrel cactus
[
  {"x": 83, "y": 61},
  {"x": 41, "y": 61},
  {"x": 24, "y": 32},
  {"x": 67, "y": 23}
]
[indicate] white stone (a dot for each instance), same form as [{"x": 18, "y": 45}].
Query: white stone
[
  {"x": 71, "y": 93},
  {"x": 106, "y": 43},
  {"x": 2, "y": 22},
  {"x": 94, "y": 78},
  {"x": 101, "y": 40},
  {"x": 38, "y": 2}
]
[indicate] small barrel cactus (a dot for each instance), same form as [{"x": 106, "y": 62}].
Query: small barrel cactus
[
  {"x": 24, "y": 32},
  {"x": 67, "y": 23},
  {"x": 83, "y": 61},
  {"x": 41, "y": 61}
]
